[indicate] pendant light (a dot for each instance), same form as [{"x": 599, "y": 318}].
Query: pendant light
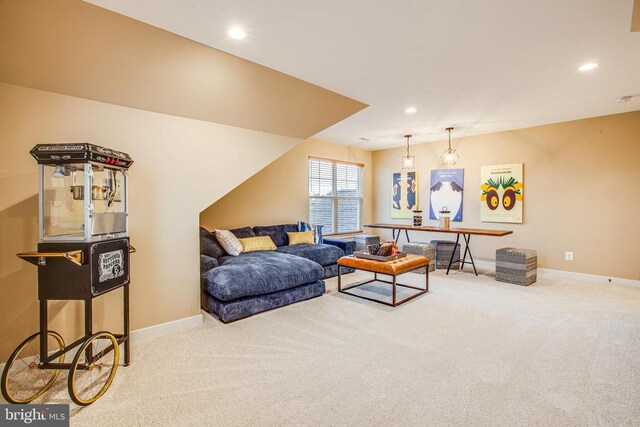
[
  {"x": 408, "y": 161},
  {"x": 450, "y": 156}
]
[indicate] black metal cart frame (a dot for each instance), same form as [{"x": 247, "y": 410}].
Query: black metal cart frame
[
  {"x": 71, "y": 288},
  {"x": 124, "y": 338},
  {"x": 78, "y": 258}
]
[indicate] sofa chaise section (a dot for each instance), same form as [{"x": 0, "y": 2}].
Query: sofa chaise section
[
  {"x": 258, "y": 273},
  {"x": 230, "y": 311},
  {"x": 257, "y": 281}
]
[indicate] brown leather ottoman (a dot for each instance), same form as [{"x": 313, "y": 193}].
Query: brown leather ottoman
[{"x": 390, "y": 268}]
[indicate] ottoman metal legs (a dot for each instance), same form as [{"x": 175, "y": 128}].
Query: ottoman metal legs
[{"x": 394, "y": 302}]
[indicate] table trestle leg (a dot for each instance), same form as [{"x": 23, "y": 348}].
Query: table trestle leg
[
  {"x": 467, "y": 240},
  {"x": 453, "y": 252}
]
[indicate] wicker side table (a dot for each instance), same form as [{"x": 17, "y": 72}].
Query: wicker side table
[
  {"x": 443, "y": 254},
  {"x": 516, "y": 266},
  {"x": 426, "y": 250},
  {"x": 365, "y": 241}
]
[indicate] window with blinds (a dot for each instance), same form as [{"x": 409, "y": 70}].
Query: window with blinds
[{"x": 335, "y": 195}]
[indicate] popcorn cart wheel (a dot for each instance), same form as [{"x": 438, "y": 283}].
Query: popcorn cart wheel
[{"x": 83, "y": 253}]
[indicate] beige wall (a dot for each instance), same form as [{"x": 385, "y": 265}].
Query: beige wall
[
  {"x": 75, "y": 48},
  {"x": 280, "y": 192},
  {"x": 581, "y": 183},
  {"x": 181, "y": 165}
]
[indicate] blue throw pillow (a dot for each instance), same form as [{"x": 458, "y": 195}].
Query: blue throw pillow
[{"x": 316, "y": 229}]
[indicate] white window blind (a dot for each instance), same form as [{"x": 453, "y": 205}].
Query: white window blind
[{"x": 335, "y": 195}]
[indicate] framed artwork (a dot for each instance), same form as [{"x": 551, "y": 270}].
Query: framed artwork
[
  {"x": 502, "y": 193},
  {"x": 446, "y": 191},
  {"x": 404, "y": 194}
]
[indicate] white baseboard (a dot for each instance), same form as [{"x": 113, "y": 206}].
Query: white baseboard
[
  {"x": 159, "y": 330},
  {"x": 165, "y": 328},
  {"x": 560, "y": 274}
]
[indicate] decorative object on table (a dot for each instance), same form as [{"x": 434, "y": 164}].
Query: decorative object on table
[
  {"x": 408, "y": 161},
  {"x": 502, "y": 193},
  {"x": 365, "y": 242},
  {"x": 315, "y": 228},
  {"x": 445, "y": 218},
  {"x": 443, "y": 254},
  {"x": 426, "y": 250},
  {"x": 404, "y": 194},
  {"x": 446, "y": 190},
  {"x": 382, "y": 250},
  {"x": 450, "y": 155},
  {"x": 516, "y": 266},
  {"x": 417, "y": 218},
  {"x": 386, "y": 249},
  {"x": 83, "y": 253}
]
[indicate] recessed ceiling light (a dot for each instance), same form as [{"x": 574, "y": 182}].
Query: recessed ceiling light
[
  {"x": 588, "y": 66},
  {"x": 411, "y": 110},
  {"x": 237, "y": 33}
]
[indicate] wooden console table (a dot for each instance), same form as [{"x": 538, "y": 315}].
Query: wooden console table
[{"x": 465, "y": 232}]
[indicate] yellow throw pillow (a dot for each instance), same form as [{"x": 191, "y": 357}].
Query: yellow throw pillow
[
  {"x": 259, "y": 243},
  {"x": 301, "y": 238}
]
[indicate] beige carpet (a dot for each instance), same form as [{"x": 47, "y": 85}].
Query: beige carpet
[{"x": 471, "y": 352}]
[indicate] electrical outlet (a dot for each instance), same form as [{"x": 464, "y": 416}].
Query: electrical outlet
[{"x": 568, "y": 256}]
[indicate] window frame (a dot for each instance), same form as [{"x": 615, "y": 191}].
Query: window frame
[{"x": 336, "y": 198}]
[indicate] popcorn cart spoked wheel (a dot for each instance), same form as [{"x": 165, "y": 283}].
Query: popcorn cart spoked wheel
[{"x": 83, "y": 253}]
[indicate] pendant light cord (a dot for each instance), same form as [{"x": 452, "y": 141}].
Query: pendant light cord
[{"x": 449, "y": 130}]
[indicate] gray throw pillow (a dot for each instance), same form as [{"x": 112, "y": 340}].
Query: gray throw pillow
[
  {"x": 209, "y": 245},
  {"x": 207, "y": 263}
]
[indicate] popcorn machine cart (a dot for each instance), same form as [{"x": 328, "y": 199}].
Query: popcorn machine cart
[{"x": 83, "y": 253}]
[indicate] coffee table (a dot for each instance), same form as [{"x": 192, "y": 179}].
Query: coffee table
[{"x": 389, "y": 268}]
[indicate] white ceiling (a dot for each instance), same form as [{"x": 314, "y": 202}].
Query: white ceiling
[{"x": 481, "y": 66}]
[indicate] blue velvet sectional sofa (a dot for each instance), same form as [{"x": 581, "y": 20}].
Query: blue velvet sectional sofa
[{"x": 235, "y": 287}]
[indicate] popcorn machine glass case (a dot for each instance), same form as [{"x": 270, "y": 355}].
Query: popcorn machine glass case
[{"x": 82, "y": 202}]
